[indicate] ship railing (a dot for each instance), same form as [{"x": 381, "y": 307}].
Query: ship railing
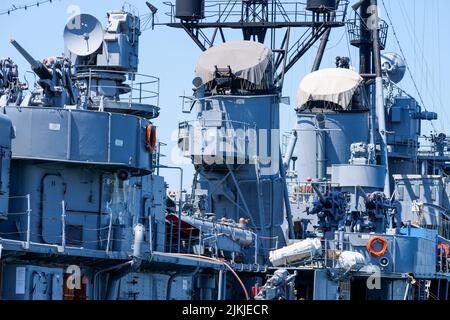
[
  {"x": 25, "y": 212},
  {"x": 139, "y": 89},
  {"x": 431, "y": 150},
  {"x": 227, "y": 124},
  {"x": 192, "y": 101},
  {"x": 25, "y": 235},
  {"x": 444, "y": 229},
  {"x": 302, "y": 193},
  {"x": 328, "y": 257},
  {"x": 442, "y": 226},
  {"x": 262, "y": 244},
  {"x": 281, "y": 11},
  {"x": 159, "y": 155},
  {"x": 331, "y": 250},
  {"x": 265, "y": 244},
  {"x": 233, "y": 137},
  {"x": 354, "y": 31},
  {"x": 443, "y": 260},
  {"x": 186, "y": 245},
  {"x": 203, "y": 104}
]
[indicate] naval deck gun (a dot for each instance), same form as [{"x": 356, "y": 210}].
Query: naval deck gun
[
  {"x": 99, "y": 69},
  {"x": 83, "y": 186},
  {"x": 55, "y": 79},
  {"x": 38, "y": 67}
]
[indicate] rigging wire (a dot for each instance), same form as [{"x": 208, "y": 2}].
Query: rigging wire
[
  {"x": 439, "y": 54},
  {"x": 36, "y": 4},
  {"x": 434, "y": 91},
  {"x": 419, "y": 52},
  {"x": 428, "y": 78},
  {"x": 437, "y": 83},
  {"x": 406, "y": 62}
]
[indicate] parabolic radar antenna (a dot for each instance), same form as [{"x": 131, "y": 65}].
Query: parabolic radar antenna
[
  {"x": 83, "y": 35},
  {"x": 394, "y": 65}
]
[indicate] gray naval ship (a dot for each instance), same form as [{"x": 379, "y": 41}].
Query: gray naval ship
[{"x": 354, "y": 206}]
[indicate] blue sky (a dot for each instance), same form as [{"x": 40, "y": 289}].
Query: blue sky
[{"x": 169, "y": 54}]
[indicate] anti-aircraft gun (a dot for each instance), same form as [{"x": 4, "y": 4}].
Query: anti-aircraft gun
[
  {"x": 378, "y": 215},
  {"x": 10, "y": 86},
  {"x": 330, "y": 210},
  {"x": 55, "y": 81},
  {"x": 95, "y": 70},
  {"x": 334, "y": 211}
]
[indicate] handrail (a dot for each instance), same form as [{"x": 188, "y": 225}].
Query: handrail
[
  {"x": 284, "y": 11},
  {"x": 145, "y": 86}
]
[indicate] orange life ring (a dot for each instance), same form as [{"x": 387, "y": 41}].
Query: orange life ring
[
  {"x": 150, "y": 138},
  {"x": 384, "y": 247}
]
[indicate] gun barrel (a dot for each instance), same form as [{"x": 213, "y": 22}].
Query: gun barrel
[
  {"x": 36, "y": 66},
  {"x": 319, "y": 193},
  {"x": 363, "y": 194}
]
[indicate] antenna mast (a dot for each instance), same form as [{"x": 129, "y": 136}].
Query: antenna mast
[{"x": 205, "y": 21}]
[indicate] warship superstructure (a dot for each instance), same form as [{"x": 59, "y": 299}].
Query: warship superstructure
[{"x": 354, "y": 206}]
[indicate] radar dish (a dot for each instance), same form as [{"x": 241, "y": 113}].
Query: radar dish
[
  {"x": 197, "y": 82},
  {"x": 83, "y": 35},
  {"x": 394, "y": 65}
]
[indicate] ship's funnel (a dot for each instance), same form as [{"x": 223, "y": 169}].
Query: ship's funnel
[
  {"x": 336, "y": 86},
  {"x": 245, "y": 60}
]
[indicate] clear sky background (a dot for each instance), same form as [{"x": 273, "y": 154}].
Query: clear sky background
[{"x": 421, "y": 25}]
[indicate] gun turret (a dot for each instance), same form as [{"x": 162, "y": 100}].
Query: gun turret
[{"x": 38, "y": 67}]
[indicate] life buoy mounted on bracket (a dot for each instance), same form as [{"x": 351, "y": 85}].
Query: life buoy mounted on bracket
[
  {"x": 150, "y": 138},
  {"x": 373, "y": 251}
]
